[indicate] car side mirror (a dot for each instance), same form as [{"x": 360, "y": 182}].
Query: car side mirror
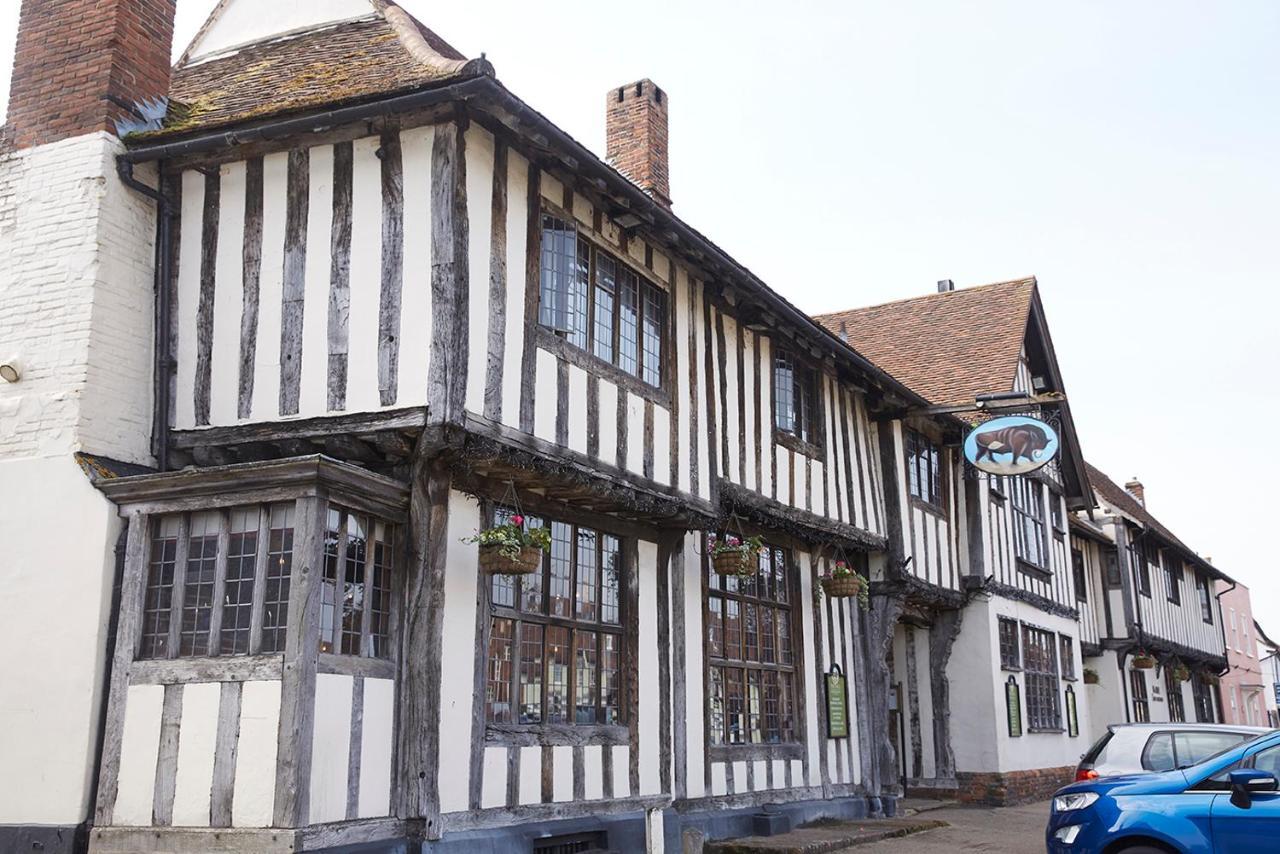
[{"x": 1245, "y": 782}]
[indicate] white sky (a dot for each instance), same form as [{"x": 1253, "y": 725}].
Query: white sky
[{"x": 1127, "y": 154}]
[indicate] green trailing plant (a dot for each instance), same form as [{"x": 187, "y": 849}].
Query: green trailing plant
[
  {"x": 840, "y": 580},
  {"x": 1180, "y": 672},
  {"x": 511, "y": 538}
]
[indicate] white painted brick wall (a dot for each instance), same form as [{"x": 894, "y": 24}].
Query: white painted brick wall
[{"x": 76, "y": 257}]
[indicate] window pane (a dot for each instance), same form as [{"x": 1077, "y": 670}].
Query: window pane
[
  {"x": 530, "y": 674},
  {"x": 768, "y": 642},
  {"x": 1158, "y": 754},
  {"x": 158, "y": 603},
  {"x": 755, "y": 706},
  {"x": 771, "y": 719},
  {"x": 587, "y": 603},
  {"x": 611, "y": 560},
  {"x": 735, "y": 706},
  {"x": 584, "y": 689},
  {"x": 237, "y": 600},
  {"x": 201, "y": 576},
  {"x": 780, "y": 592},
  {"x": 606, "y": 285},
  {"x": 329, "y": 582},
  {"x": 716, "y": 734},
  {"x": 559, "y": 262},
  {"x": 353, "y": 584},
  {"x": 784, "y": 637},
  {"x": 380, "y": 596},
  {"x": 561, "y": 592},
  {"x": 502, "y": 590},
  {"x": 715, "y": 627},
  {"x": 579, "y": 294},
  {"x": 498, "y": 682},
  {"x": 275, "y": 603},
  {"x": 732, "y": 630},
  {"x": 786, "y": 708},
  {"x": 533, "y": 600},
  {"x": 751, "y": 632},
  {"x": 610, "y": 679},
  {"x": 784, "y": 408},
  {"x": 628, "y": 320},
  {"x": 655, "y": 312},
  {"x": 558, "y": 663}
]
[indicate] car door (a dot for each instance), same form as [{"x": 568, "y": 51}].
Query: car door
[{"x": 1245, "y": 831}]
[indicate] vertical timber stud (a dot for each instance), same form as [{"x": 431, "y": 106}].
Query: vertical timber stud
[
  {"x": 886, "y": 607},
  {"x": 942, "y": 637},
  {"x": 301, "y": 659},
  {"x": 128, "y": 630},
  {"x": 447, "y": 376}
]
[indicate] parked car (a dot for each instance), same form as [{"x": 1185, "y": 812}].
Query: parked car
[
  {"x": 1226, "y": 804},
  {"x": 1135, "y": 748}
]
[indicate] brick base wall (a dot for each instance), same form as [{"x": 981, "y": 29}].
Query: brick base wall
[{"x": 1006, "y": 788}]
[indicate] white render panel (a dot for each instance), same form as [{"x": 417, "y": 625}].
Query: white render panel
[
  {"x": 517, "y": 243},
  {"x": 706, "y": 388},
  {"x": 494, "y": 790},
  {"x": 479, "y": 168},
  {"x": 458, "y": 651},
  {"x": 577, "y": 411},
  {"x": 377, "y": 739},
  {"x": 608, "y": 422},
  {"x": 740, "y": 777},
  {"x": 680, "y": 305},
  {"x": 331, "y": 747},
  {"x": 561, "y": 773},
  {"x": 593, "y": 771},
  {"x": 661, "y": 444},
  {"x": 139, "y": 750},
  {"x": 253, "y": 798},
  {"x": 719, "y": 786},
  {"x": 751, "y": 453},
  {"x": 266, "y": 370},
  {"x": 415, "y": 295},
  {"x": 190, "y": 233},
  {"x": 544, "y": 404},
  {"x": 366, "y": 276},
  {"x": 810, "y": 686},
  {"x": 197, "y": 735},
  {"x": 647, "y": 678},
  {"x": 766, "y": 415},
  {"x": 621, "y": 777},
  {"x": 313, "y": 389},
  {"x": 783, "y": 456},
  {"x": 695, "y": 721},
  {"x": 530, "y": 775},
  {"x": 242, "y": 21},
  {"x": 635, "y": 433},
  {"x": 779, "y": 773},
  {"x": 729, "y": 418},
  {"x": 228, "y": 296},
  {"x": 761, "y": 774}
]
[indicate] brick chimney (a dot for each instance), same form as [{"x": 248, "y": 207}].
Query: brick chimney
[
  {"x": 1134, "y": 488},
  {"x": 80, "y": 63},
  {"x": 636, "y": 137}
]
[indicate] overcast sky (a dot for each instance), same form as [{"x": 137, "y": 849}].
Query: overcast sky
[{"x": 849, "y": 153}]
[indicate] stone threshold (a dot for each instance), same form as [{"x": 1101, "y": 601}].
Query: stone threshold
[{"x": 825, "y": 836}]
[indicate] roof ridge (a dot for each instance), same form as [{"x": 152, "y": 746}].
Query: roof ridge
[
  {"x": 408, "y": 32},
  {"x": 922, "y": 297}
]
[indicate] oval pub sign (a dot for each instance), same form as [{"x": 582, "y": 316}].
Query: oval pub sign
[{"x": 1014, "y": 444}]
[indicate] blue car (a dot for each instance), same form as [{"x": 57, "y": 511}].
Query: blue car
[{"x": 1225, "y": 804}]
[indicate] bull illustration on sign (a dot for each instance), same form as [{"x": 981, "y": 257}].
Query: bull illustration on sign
[{"x": 1015, "y": 444}]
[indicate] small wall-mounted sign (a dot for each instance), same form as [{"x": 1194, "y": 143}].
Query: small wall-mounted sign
[
  {"x": 837, "y": 704},
  {"x": 1073, "y": 723},
  {"x": 1013, "y": 707},
  {"x": 1014, "y": 444}
]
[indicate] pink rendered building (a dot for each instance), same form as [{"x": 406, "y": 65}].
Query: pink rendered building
[{"x": 1242, "y": 686}]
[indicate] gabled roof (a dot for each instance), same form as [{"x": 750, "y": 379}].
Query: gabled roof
[
  {"x": 1123, "y": 501},
  {"x": 948, "y": 347},
  {"x": 383, "y": 52}
]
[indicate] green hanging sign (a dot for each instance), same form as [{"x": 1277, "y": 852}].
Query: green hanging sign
[
  {"x": 1073, "y": 724},
  {"x": 1013, "y": 707},
  {"x": 837, "y": 704}
]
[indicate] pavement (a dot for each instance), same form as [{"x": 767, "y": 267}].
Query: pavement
[{"x": 1003, "y": 830}]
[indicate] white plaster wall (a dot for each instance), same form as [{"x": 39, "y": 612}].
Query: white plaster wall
[
  {"x": 266, "y": 370},
  {"x": 593, "y": 771},
  {"x": 1106, "y": 699},
  {"x": 976, "y": 685},
  {"x": 313, "y": 388},
  {"x": 366, "y": 277},
  {"x": 812, "y": 693},
  {"x": 228, "y": 296},
  {"x": 479, "y": 157},
  {"x": 198, "y": 731},
  {"x": 377, "y": 739},
  {"x": 647, "y": 679},
  {"x": 517, "y": 243},
  {"x": 494, "y": 790},
  {"x": 458, "y": 653},
  {"x": 244, "y": 21},
  {"x": 140, "y": 747},
  {"x": 415, "y": 294},
  {"x": 331, "y": 747},
  {"x": 253, "y": 798},
  {"x": 695, "y": 721}
]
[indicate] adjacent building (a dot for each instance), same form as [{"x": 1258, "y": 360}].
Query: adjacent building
[{"x": 1242, "y": 686}]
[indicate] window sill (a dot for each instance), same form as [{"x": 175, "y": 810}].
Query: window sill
[
  {"x": 592, "y": 364},
  {"x": 1036, "y": 572},
  {"x": 557, "y": 735},
  {"x": 928, "y": 507},
  {"x": 749, "y": 752},
  {"x": 1045, "y": 731},
  {"x": 795, "y": 443},
  {"x": 1007, "y": 669}
]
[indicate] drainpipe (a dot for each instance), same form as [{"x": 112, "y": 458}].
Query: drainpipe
[
  {"x": 163, "y": 264},
  {"x": 1226, "y": 648}
]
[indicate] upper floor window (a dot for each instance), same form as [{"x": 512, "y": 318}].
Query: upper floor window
[
  {"x": 355, "y": 591},
  {"x": 1056, "y": 516},
  {"x": 1206, "y": 598},
  {"x": 1111, "y": 562},
  {"x": 556, "y": 638},
  {"x": 795, "y": 393},
  {"x": 1010, "y": 656},
  {"x": 1140, "y": 555},
  {"x": 924, "y": 469},
  {"x": 1028, "y": 523},
  {"x": 752, "y": 646},
  {"x": 1040, "y": 663},
  {"x": 1173, "y": 569},
  {"x": 599, "y": 304},
  {"x": 1078, "y": 575}
]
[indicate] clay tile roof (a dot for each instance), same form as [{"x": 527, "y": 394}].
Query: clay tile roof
[
  {"x": 948, "y": 347},
  {"x": 380, "y": 54}
]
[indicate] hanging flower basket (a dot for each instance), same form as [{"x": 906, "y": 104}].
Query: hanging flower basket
[
  {"x": 1180, "y": 672},
  {"x": 509, "y": 549},
  {"x": 1090, "y": 677},
  {"x": 842, "y": 582},
  {"x": 735, "y": 556},
  {"x": 1144, "y": 661},
  {"x": 1210, "y": 678}
]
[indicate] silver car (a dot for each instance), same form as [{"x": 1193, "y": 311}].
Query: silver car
[{"x": 1139, "y": 748}]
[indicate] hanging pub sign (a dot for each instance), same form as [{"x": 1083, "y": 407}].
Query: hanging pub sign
[
  {"x": 1013, "y": 707},
  {"x": 837, "y": 704},
  {"x": 1013, "y": 444}
]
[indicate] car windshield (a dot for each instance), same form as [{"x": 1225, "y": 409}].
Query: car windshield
[{"x": 1218, "y": 780}]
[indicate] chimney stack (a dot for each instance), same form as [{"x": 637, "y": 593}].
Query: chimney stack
[
  {"x": 636, "y": 137},
  {"x": 80, "y": 64},
  {"x": 1134, "y": 488},
  {"x": 945, "y": 286}
]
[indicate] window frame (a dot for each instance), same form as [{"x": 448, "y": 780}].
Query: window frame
[
  {"x": 1012, "y": 664},
  {"x": 567, "y": 731},
  {"x": 1042, "y": 678},
  {"x": 809, "y": 436},
  {"x": 1205, "y": 596},
  {"x": 584, "y": 354},
  {"x": 727, "y": 751},
  {"x": 1079, "y": 574},
  {"x": 1174, "y": 574},
  {"x": 920, "y": 450},
  {"x": 1140, "y": 700},
  {"x": 1067, "y": 655},
  {"x": 1027, "y": 519},
  {"x": 1174, "y": 698}
]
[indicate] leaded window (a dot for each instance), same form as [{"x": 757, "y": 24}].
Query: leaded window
[
  {"x": 355, "y": 592},
  {"x": 1138, "y": 689},
  {"x": 1028, "y": 522},
  {"x": 1202, "y": 696},
  {"x": 1078, "y": 576},
  {"x": 207, "y": 571},
  {"x": 1040, "y": 664},
  {"x": 752, "y": 646},
  {"x": 795, "y": 392},
  {"x": 599, "y": 303},
  {"x": 556, "y": 639},
  {"x": 1140, "y": 556},
  {"x": 1173, "y": 569},
  {"x": 1010, "y": 655},
  {"x": 1206, "y": 598},
  {"x": 924, "y": 469},
  {"x": 1172, "y": 687},
  {"x": 1067, "y": 656}
]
